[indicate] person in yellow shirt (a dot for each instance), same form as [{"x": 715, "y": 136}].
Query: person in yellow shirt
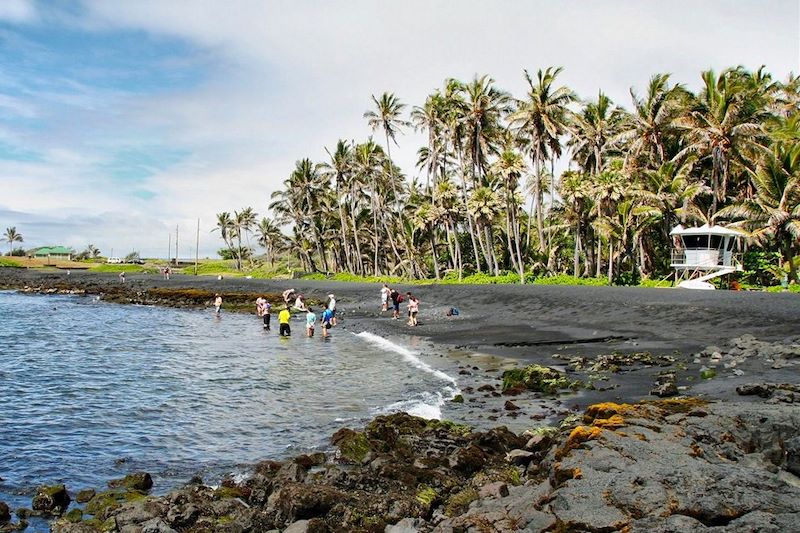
[{"x": 283, "y": 318}]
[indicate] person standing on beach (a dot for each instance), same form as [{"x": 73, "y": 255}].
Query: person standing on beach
[
  {"x": 311, "y": 319},
  {"x": 332, "y": 308},
  {"x": 385, "y": 291},
  {"x": 217, "y": 303},
  {"x": 397, "y": 299},
  {"x": 413, "y": 310},
  {"x": 326, "y": 319},
  {"x": 122, "y": 277}
]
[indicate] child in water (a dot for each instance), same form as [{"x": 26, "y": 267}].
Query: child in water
[
  {"x": 217, "y": 303},
  {"x": 311, "y": 319}
]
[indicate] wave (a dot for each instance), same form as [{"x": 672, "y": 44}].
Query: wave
[{"x": 425, "y": 404}]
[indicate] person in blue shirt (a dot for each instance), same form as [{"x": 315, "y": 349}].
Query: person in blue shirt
[{"x": 327, "y": 317}]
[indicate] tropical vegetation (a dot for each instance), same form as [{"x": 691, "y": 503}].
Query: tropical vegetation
[
  {"x": 11, "y": 236},
  {"x": 486, "y": 198}
]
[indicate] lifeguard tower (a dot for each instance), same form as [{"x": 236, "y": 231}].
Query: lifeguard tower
[{"x": 704, "y": 253}]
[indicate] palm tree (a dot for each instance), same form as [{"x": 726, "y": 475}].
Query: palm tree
[
  {"x": 773, "y": 214},
  {"x": 227, "y": 230},
  {"x": 11, "y": 236},
  {"x": 593, "y": 132},
  {"x": 485, "y": 206},
  {"x": 269, "y": 236},
  {"x": 541, "y": 121},
  {"x": 509, "y": 168},
  {"x": 243, "y": 222},
  {"x": 387, "y": 117},
  {"x": 340, "y": 171},
  {"x": 653, "y": 122},
  {"x": 724, "y": 128}
]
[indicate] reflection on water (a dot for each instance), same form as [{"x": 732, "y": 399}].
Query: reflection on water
[{"x": 90, "y": 391}]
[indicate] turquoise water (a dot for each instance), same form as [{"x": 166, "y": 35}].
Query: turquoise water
[{"x": 90, "y": 391}]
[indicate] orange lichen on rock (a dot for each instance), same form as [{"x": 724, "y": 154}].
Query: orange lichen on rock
[
  {"x": 607, "y": 410},
  {"x": 578, "y": 436},
  {"x": 612, "y": 422}
]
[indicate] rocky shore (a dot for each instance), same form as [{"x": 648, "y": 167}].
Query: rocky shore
[
  {"x": 668, "y": 465},
  {"x": 663, "y": 411}
]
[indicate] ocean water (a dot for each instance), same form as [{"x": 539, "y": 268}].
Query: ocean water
[{"x": 90, "y": 391}]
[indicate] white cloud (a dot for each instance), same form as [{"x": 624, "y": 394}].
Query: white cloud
[
  {"x": 287, "y": 78},
  {"x": 17, "y": 11}
]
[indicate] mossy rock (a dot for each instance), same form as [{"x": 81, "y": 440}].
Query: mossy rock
[
  {"x": 105, "y": 502},
  {"x": 141, "y": 481},
  {"x": 458, "y": 398},
  {"x": 74, "y": 516},
  {"x": 453, "y": 428},
  {"x": 538, "y": 378},
  {"x": 353, "y": 445},
  {"x": 427, "y": 497},
  {"x": 85, "y": 495},
  {"x": 51, "y": 499},
  {"x": 224, "y": 493},
  {"x": 459, "y": 502}
]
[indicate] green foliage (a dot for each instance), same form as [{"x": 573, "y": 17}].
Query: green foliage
[
  {"x": 230, "y": 254},
  {"x": 566, "y": 279},
  {"x": 347, "y": 277},
  {"x": 761, "y": 268},
  {"x": 655, "y": 283},
  {"x": 628, "y": 278},
  {"x": 122, "y": 268},
  {"x": 9, "y": 263},
  {"x": 539, "y": 379},
  {"x": 215, "y": 267},
  {"x": 17, "y": 252}
]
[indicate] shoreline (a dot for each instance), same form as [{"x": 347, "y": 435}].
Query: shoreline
[
  {"x": 619, "y": 343},
  {"x": 546, "y": 325}
]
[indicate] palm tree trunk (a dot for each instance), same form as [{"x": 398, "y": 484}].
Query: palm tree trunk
[
  {"x": 610, "y": 260},
  {"x": 469, "y": 219},
  {"x": 433, "y": 251},
  {"x": 359, "y": 260},
  {"x": 539, "y": 204},
  {"x": 375, "y": 226},
  {"x": 577, "y": 252}
]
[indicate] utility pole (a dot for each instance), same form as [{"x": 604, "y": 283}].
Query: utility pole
[
  {"x": 176, "y": 246},
  {"x": 197, "y": 247}
]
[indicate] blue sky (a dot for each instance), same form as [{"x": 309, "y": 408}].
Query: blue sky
[{"x": 121, "y": 119}]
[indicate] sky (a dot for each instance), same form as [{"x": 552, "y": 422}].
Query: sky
[{"x": 121, "y": 121}]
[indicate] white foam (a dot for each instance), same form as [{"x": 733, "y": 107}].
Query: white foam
[
  {"x": 426, "y": 404},
  {"x": 407, "y": 354}
]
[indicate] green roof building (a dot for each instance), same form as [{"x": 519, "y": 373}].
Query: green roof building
[{"x": 55, "y": 252}]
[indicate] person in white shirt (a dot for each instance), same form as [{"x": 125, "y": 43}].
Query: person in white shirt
[
  {"x": 332, "y": 308},
  {"x": 385, "y": 291}
]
